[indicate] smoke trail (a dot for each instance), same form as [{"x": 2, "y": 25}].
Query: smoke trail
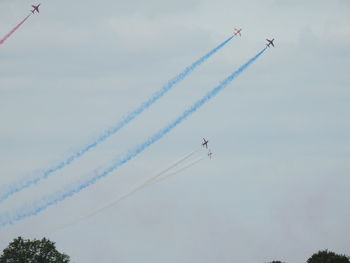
[
  {"x": 50, "y": 200},
  {"x": 173, "y": 165},
  {"x": 159, "y": 177},
  {"x": 150, "y": 181},
  {"x": 157, "y": 180},
  {"x": 13, "y": 30},
  {"x": 23, "y": 183}
]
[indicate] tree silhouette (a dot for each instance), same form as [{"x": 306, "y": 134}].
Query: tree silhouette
[
  {"x": 326, "y": 256},
  {"x": 36, "y": 251}
]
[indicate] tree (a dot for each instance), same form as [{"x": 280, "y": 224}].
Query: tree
[
  {"x": 36, "y": 251},
  {"x": 326, "y": 256}
]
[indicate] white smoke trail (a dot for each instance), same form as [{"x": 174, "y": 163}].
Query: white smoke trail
[
  {"x": 159, "y": 179},
  {"x": 150, "y": 181}
]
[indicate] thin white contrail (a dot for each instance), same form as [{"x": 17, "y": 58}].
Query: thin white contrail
[
  {"x": 159, "y": 179},
  {"x": 150, "y": 181}
]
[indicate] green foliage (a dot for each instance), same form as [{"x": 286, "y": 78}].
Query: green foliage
[
  {"x": 326, "y": 256},
  {"x": 36, "y": 251}
]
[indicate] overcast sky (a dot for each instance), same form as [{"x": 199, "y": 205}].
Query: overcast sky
[{"x": 277, "y": 186}]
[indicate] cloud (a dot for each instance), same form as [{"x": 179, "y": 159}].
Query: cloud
[{"x": 77, "y": 66}]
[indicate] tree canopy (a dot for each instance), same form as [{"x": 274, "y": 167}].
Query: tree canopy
[
  {"x": 36, "y": 251},
  {"x": 326, "y": 256}
]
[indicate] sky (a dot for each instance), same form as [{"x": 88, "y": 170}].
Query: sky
[{"x": 277, "y": 185}]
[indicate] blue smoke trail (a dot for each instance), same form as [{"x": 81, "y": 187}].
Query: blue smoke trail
[
  {"x": 47, "y": 201},
  {"x": 23, "y": 183}
]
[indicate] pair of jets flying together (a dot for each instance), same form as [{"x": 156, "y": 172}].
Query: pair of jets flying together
[
  {"x": 205, "y": 144},
  {"x": 268, "y": 44}
]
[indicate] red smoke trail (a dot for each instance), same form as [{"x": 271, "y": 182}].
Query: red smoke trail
[{"x": 13, "y": 30}]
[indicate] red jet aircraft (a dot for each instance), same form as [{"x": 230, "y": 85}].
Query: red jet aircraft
[
  {"x": 205, "y": 143},
  {"x": 237, "y": 31},
  {"x": 35, "y": 8},
  {"x": 209, "y": 154},
  {"x": 270, "y": 42}
]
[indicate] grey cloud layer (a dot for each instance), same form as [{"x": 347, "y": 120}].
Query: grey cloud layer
[{"x": 280, "y": 134}]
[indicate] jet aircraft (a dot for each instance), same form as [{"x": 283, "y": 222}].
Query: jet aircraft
[
  {"x": 35, "y": 8},
  {"x": 205, "y": 143},
  {"x": 237, "y": 31},
  {"x": 270, "y": 42}
]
